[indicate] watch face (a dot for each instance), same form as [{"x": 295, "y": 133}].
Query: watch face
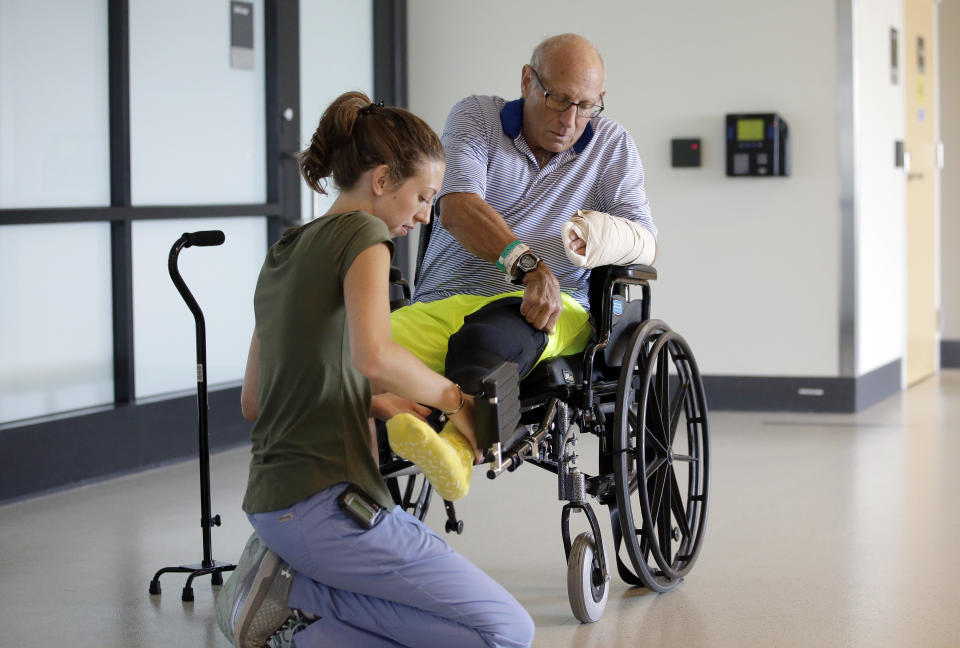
[{"x": 527, "y": 262}]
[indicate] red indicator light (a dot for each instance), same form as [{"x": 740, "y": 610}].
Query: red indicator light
[{"x": 694, "y": 146}]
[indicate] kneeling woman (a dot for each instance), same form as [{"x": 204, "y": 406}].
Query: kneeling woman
[{"x": 364, "y": 572}]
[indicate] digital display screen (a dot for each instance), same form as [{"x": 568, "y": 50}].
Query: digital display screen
[
  {"x": 750, "y": 130},
  {"x": 360, "y": 506}
]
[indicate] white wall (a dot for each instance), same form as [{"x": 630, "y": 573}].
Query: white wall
[
  {"x": 336, "y": 55},
  {"x": 749, "y": 267},
  {"x": 949, "y": 13},
  {"x": 880, "y": 187}
]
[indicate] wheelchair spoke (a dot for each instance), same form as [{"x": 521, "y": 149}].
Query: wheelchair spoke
[
  {"x": 678, "y": 511},
  {"x": 663, "y": 390},
  {"x": 678, "y": 403},
  {"x": 656, "y": 417},
  {"x": 654, "y": 467},
  {"x": 657, "y": 494},
  {"x": 656, "y": 441},
  {"x": 664, "y": 510}
]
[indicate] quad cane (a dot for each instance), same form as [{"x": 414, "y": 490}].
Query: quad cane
[{"x": 208, "y": 565}]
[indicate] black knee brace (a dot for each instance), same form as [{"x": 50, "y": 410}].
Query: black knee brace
[{"x": 493, "y": 334}]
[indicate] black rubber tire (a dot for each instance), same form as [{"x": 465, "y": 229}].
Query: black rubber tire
[{"x": 662, "y": 516}]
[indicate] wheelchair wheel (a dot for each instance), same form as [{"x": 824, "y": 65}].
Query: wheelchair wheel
[
  {"x": 586, "y": 588},
  {"x": 415, "y": 498},
  {"x": 662, "y": 477}
]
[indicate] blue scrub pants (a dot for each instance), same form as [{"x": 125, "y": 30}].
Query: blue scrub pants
[{"x": 396, "y": 584}]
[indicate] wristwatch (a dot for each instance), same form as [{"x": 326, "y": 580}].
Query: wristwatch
[{"x": 526, "y": 263}]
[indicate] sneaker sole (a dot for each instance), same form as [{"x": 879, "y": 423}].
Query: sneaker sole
[
  {"x": 229, "y": 603},
  {"x": 262, "y": 614}
]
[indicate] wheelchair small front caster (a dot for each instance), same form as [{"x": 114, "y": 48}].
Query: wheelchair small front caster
[
  {"x": 155, "y": 587},
  {"x": 452, "y": 526},
  {"x": 586, "y": 588}
]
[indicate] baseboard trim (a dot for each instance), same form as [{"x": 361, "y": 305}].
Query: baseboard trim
[
  {"x": 793, "y": 394},
  {"x": 950, "y": 354},
  {"x": 71, "y": 450},
  {"x": 66, "y": 451}
]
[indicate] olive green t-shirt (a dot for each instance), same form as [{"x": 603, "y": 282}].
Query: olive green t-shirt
[{"x": 312, "y": 429}]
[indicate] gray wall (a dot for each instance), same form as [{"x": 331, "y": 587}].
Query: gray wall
[{"x": 950, "y": 134}]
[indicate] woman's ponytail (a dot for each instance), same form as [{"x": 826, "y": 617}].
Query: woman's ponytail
[{"x": 355, "y": 135}]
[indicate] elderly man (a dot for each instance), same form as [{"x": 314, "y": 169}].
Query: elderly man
[{"x": 536, "y": 192}]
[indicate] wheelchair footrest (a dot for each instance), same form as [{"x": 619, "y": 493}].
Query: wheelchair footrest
[{"x": 497, "y": 411}]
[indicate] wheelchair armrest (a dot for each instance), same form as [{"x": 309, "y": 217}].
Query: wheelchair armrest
[{"x": 634, "y": 272}]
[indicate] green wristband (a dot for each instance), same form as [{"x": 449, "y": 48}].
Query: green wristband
[{"x": 503, "y": 255}]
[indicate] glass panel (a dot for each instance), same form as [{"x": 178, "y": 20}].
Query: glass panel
[
  {"x": 197, "y": 125},
  {"x": 56, "y": 322},
  {"x": 331, "y": 26},
  {"x": 54, "y": 104},
  {"x": 222, "y": 280}
]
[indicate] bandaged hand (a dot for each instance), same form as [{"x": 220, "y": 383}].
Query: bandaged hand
[{"x": 610, "y": 240}]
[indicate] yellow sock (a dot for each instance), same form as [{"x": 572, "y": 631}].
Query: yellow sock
[{"x": 446, "y": 459}]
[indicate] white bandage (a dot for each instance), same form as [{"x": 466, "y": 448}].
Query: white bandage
[{"x": 610, "y": 240}]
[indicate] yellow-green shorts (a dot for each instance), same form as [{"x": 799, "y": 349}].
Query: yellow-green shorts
[{"x": 424, "y": 328}]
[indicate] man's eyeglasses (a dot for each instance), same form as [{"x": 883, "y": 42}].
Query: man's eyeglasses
[{"x": 585, "y": 110}]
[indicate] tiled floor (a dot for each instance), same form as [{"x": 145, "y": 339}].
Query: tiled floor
[{"x": 824, "y": 530}]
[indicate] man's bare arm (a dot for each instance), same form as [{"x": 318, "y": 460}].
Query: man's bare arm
[
  {"x": 475, "y": 224},
  {"x": 483, "y": 232}
]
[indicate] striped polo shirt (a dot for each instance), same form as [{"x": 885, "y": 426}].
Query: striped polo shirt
[{"x": 488, "y": 155}]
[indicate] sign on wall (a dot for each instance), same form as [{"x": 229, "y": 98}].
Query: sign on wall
[{"x": 241, "y": 35}]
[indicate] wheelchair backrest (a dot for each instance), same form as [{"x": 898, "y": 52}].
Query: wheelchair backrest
[
  {"x": 423, "y": 242},
  {"x": 399, "y": 289}
]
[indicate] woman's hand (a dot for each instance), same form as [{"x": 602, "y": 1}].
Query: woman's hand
[{"x": 386, "y": 405}]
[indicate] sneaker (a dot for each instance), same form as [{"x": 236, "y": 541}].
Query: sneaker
[
  {"x": 283, "y": 638},
  {"x": 252, "y": 604}
]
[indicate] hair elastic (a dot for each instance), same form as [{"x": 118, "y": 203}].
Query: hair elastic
[{"x": 366, "y": 110}]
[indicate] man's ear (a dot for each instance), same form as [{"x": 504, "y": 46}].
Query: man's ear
[
  {"x": 380, "y": 180},
  {"x": 526, "y": 78}
]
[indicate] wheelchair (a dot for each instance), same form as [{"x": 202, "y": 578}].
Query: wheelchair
[{"x": 637, "y": 388}]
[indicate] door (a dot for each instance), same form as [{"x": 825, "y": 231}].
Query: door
[{"x": 922, "y": 177}]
